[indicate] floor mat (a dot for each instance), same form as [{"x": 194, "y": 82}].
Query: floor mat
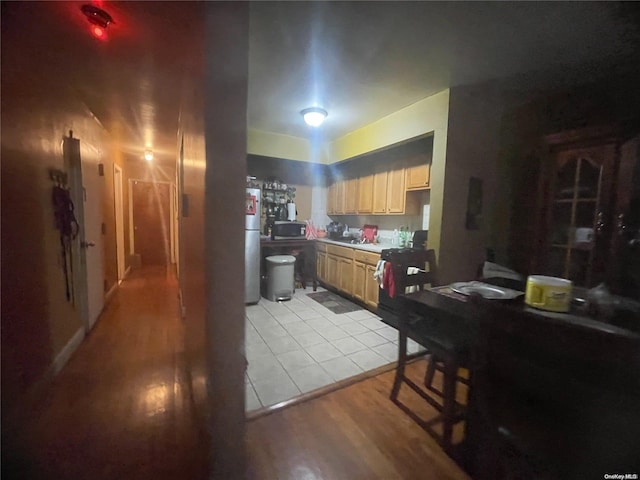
[{"x": 334, "y": 302}]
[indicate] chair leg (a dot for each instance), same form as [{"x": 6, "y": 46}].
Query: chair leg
[
  {"x": 431, "y": 370},
  {"x": 402, "y": 360},
  {"x": 449, "y": 402}
]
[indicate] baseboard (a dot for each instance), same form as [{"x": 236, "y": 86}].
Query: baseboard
[
  {"x": 65, "y": 354},
  {"x": 110, "y": 293},
  {"x": 14, "y": 419},
  {"x": 127, "y": 272}
]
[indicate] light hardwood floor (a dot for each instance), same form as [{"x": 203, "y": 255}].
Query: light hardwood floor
[{"x": 121, "y": 409}]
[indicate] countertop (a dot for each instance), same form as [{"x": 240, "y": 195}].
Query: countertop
[{"x": 369, "y": 247}]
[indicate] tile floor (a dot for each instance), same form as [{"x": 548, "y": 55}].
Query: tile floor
[{"x": 298, "y": 346}]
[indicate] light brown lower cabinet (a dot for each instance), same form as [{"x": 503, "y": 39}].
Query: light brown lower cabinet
[
  {"x": 321, "y": 265},
  {"x": 351, "y": 271},
  {"x": 371, "y": 287},
  {"x": 359, "y": 280},
  {"x": 332, "y": 270},
  {"x": 345, "y": 275}
]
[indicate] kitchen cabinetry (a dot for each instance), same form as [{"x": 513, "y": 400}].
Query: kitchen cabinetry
[
  {"x": 365, "y": 194},
  {"x": 380, "y": 180},
  {"x": 349, "y": 270},
  {"x": 335, "y": 197},
  {"x": 576, "y": 201},
  {"x": 371, "y": 288},
  {"x": 359, "y": 279},
  {"x": 339, "y": 266},
  {"x": 389, "y": 194},
  {"x": 381, "y": 193},
  {"x": 396, "y": 193},
  {"x": 417, "y": 177},
  {"x": 364, "y": 284},
  {"x": 332, "y": 269},
  {"x": 321, "y": 261},
  {"x": 345, "y": 275},
  {"x": 351, "y": 196},
  {"x": 339, "y": 193}
]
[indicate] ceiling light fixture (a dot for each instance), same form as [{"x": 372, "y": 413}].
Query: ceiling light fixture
[
  {"x": 148, "y": 155},
  {"x": 314, "y": 116},
  {"x": 98, "y": 18}
]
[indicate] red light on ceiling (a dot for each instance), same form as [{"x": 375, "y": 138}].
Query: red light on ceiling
[
  {"x": 98, "y": 32},
  {"x": 99, "y": 20}
]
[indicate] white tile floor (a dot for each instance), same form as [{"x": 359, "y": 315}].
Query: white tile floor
[{"x": 298, "y": 346}]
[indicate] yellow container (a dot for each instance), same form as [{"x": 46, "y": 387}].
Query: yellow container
[{"x": 548, "y": 293}]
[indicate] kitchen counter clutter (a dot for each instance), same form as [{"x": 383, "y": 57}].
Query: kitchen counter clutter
[{"x": 368, "y": 247}]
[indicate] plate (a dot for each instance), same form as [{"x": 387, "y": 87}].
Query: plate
[{"x": 485, "y": 290}]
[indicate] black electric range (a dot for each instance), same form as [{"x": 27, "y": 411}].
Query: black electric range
[{"x": 388, "y": 307}]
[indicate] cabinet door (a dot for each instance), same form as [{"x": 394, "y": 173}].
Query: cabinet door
[
  {"x": 351, "y": 195},
  {"x": 371, "y": 287},
  {"x": 359, "y": 273},
  {"x": 339, "y": 197},
  {"x": 365, "y": 194},
  {"x": 380, "y": 192},
  {"x": 321, "y": 264},
  {"x": 579, "y": 217},
  {"x": 331, "y": 199},
  {"x": 332, "y": 270},
  {"x": 418, "y": 177},
  {"x": 345, "y": 272},
  {"x": 396, "y": 193}
]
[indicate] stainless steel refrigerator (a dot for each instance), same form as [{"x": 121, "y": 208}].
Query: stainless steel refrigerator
[{"x": 252, "y": 247}]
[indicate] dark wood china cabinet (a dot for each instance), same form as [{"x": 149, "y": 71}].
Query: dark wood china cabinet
[{"x": 581, "y": 213}]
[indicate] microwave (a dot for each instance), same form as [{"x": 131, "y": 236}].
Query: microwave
[{"x": 288, "y": 230}]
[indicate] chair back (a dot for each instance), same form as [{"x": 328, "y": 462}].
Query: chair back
[{"x": 423, "y": 260}]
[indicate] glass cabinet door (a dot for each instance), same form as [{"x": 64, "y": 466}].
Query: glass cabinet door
[{"x": 574, "y": 216}]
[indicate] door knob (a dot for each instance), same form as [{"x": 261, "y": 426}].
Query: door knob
[{"x": 84, "y": 244}]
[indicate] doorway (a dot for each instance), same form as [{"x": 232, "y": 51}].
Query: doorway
[
  {"x": 119, "y": 216},
  {"x": 152, "y": 226}
]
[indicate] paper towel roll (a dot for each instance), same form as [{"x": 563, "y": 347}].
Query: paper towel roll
[{"x": 291, "y": 212}]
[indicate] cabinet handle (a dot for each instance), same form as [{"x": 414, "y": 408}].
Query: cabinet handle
[{"x": 600, "y": 223}]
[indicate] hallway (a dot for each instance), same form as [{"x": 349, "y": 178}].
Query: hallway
[{"x": 120, "y": 409}]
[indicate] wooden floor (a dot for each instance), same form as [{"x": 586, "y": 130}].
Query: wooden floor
[
  {"x": 353, "y": 433},
  {"x": 121, "y": 409}
]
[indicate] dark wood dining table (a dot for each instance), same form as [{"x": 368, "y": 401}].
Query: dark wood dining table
[{"x": 583, "y": 336}]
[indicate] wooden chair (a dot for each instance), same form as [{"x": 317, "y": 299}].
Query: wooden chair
[
  {"x": 555, "y": 396},
  {"x": 437, "y": 335}
]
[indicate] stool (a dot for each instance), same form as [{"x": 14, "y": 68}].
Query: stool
[{"x": 446, "y": 347}]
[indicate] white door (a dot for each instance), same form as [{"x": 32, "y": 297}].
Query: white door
[{"x": 86, "y": 192}]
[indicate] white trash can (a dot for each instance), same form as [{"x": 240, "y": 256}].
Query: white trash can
[{"x": 280, "y": 277}]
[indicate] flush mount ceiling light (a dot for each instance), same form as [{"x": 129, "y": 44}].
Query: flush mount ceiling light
[
  {"x": 98, "y": 18},
  {"x": 148, "y": 155},
  {"x": 314, "y": 116}
]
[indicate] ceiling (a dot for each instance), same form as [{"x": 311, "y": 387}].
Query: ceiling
[{"x": 359, "y": 60}]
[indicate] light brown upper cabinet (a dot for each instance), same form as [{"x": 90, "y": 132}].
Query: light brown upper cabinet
[
  {"x": 339, "y": 196},
  {"x": 389, "y": 192},
  {"x": 380, "y": 192},
  {"x": 396, "y": 193},
  {"x": 418, "y": 177},
  {"x": 351, "y": 195},
  {"x": 365, "y": 194},
  {"x": 331, "y": 199}
]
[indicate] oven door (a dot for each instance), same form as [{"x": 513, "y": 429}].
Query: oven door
[{"x": 387, "y": 308}]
